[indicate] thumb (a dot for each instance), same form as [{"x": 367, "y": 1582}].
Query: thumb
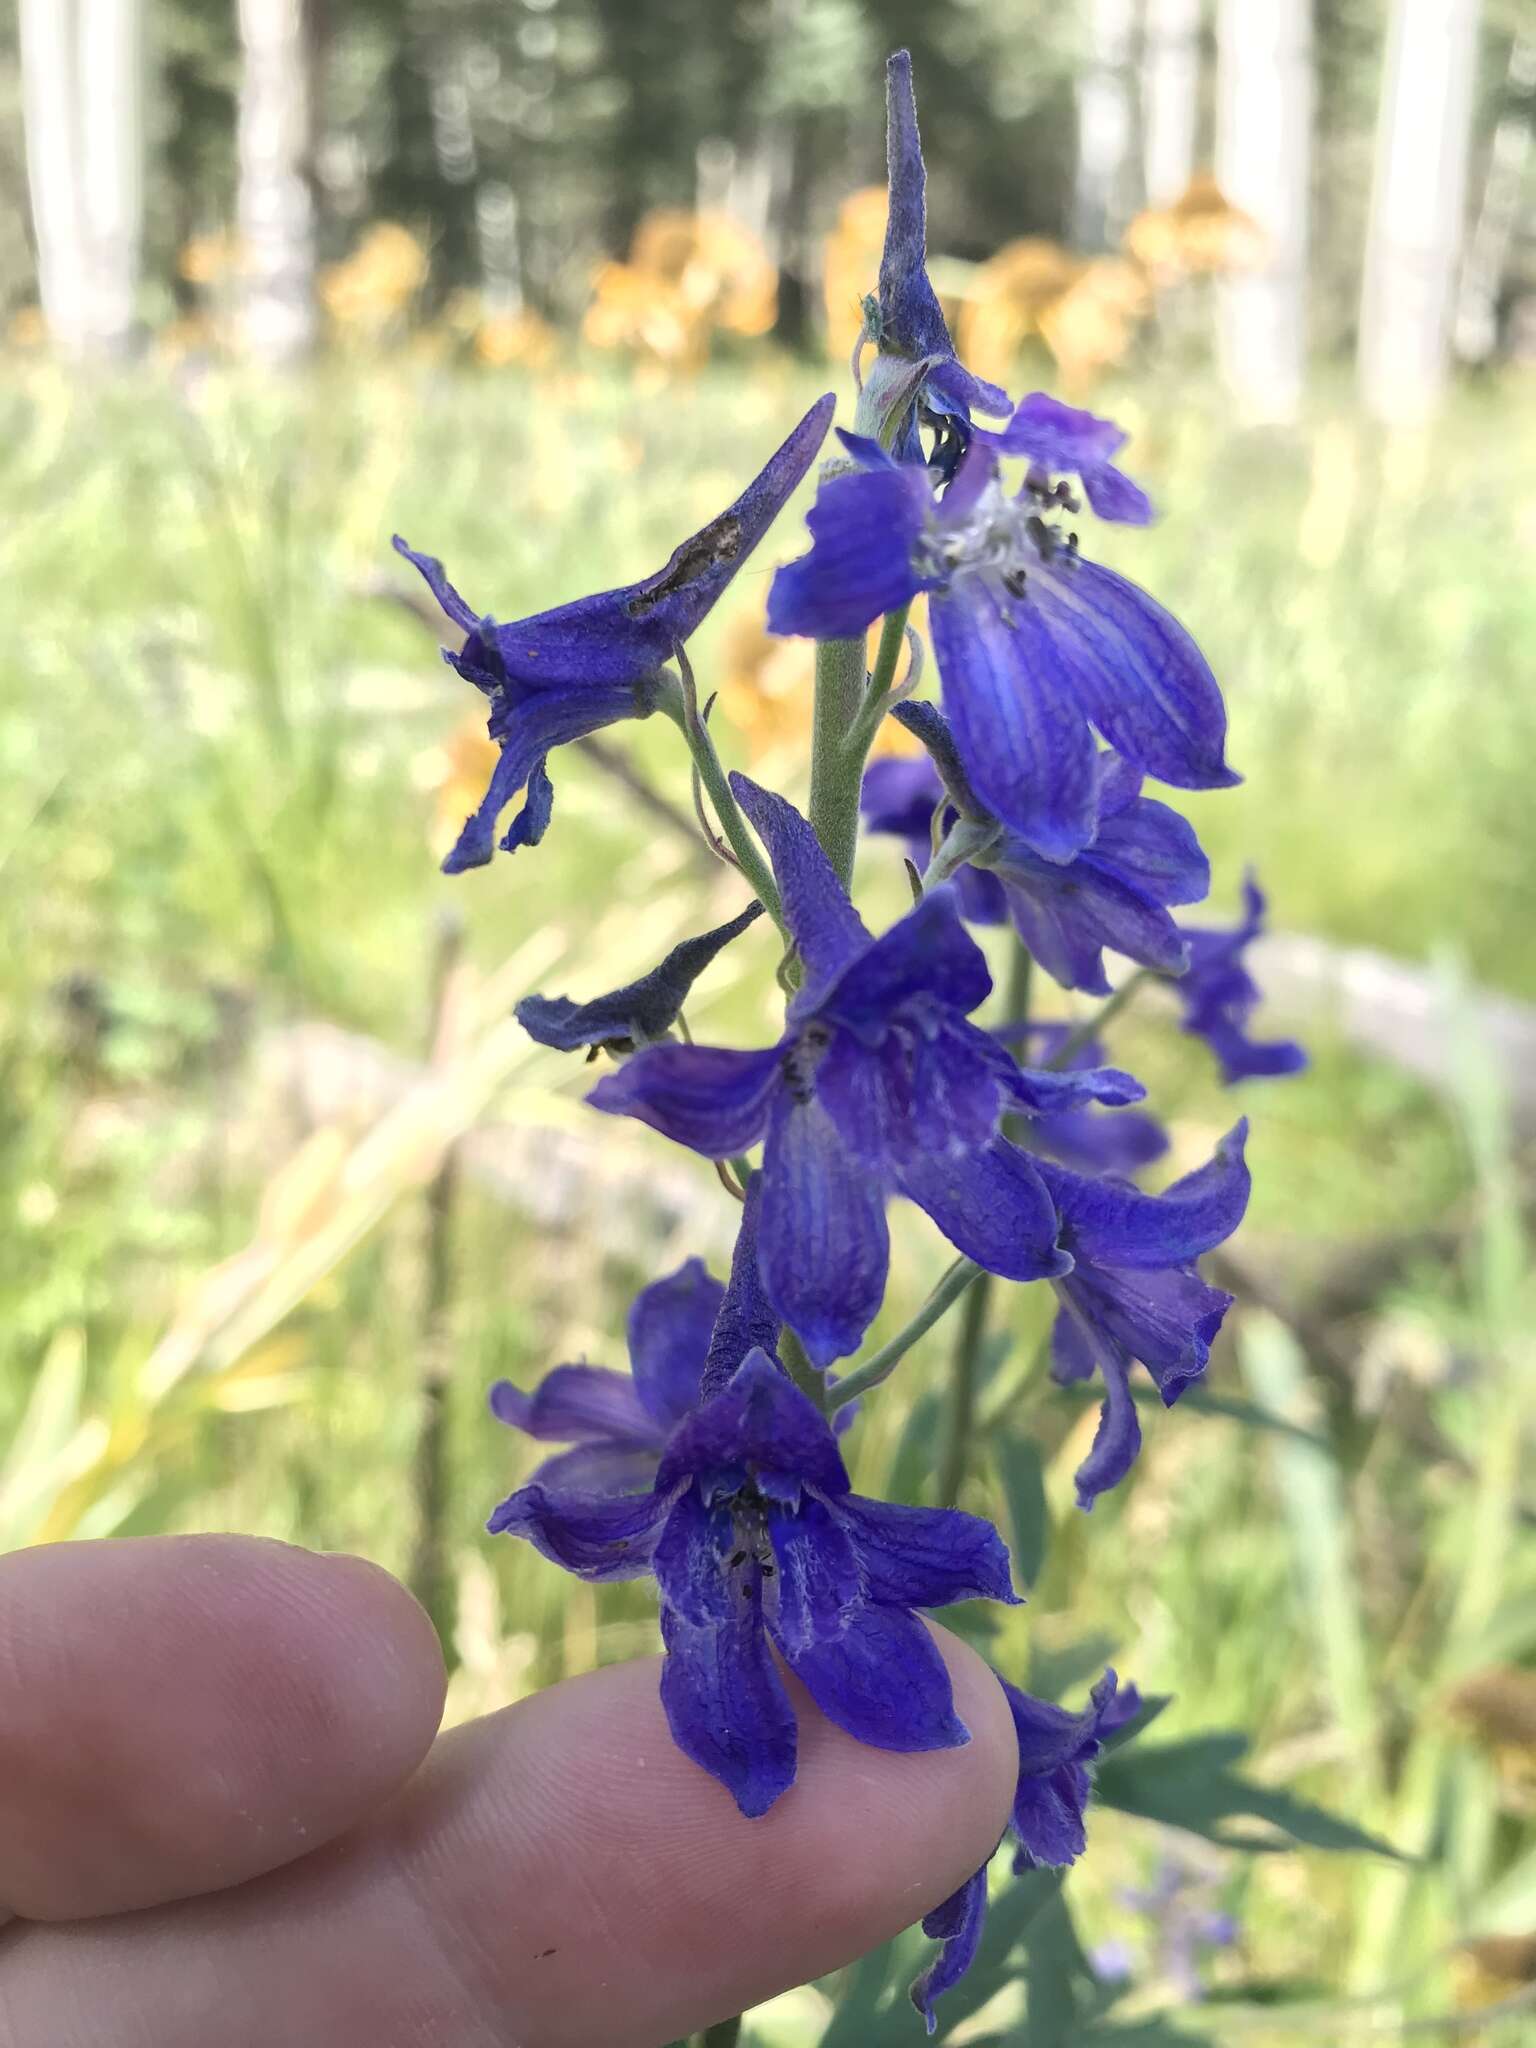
[{"x": 555, "y": 1875}]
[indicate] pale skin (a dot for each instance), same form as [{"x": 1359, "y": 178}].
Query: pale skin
[{"x": 226, "y": 1814}]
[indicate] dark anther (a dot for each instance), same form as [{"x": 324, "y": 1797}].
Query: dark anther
[
  {"x": 1014, "y": 582},
  {"x": 737, "y": 1559}
]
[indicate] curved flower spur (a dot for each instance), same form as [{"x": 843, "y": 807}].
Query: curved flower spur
[{"x": 561, "y": 674}]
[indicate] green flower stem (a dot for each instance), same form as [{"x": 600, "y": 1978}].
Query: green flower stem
[
  {"x": 960, "y": 1409},
  {"x": 877, "y": 698},
  {"x": 723, "y": 2034},
  {"x": 1074, "y": 1042},
  {"x": 746, "y": 849},
  {"x": 884, "y": 1362},
  {"x": 834, "y": 812},
  {"x": 811, "y": 1383}
]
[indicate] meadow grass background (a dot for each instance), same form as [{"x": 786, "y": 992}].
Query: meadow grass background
[{"x": 220, "y": 747}]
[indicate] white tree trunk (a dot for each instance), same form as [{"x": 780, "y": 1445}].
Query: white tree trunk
[
  {"x": 1104, "y": 200},
  {"x": 1418, "y": 202},
  {"x": 1170, "y": 97},
  {"x": 51, "y": 108},
  {"x": 1477, "y": 307},
  {"x": 1264, "y": 165},
  {"x": 111, "y": 78},
  {"x": 276, "y": 209}
]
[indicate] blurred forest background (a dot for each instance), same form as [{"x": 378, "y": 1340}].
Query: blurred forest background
[{"x": 539, "y": 283}]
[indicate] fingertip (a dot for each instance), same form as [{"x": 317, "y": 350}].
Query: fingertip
[{"x": 178, "y": 1714}]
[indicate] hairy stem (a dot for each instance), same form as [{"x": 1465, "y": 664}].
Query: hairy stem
[
  {"x": 746, "y": 849},
  {"x": 882, "y": 1363},
  {"x": 834, "y": 812}
]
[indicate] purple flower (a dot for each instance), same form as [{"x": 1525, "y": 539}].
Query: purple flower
[
  {"x": 562, "y": 674},
  {"x": 1220, "y": 995},
  {"x": 1056, "y": 1750},
  {"x": 1115, "y": 893},
  {"x": 879, "y": 1085},
  {"x": 899, "y": 797},
  {"x": 642, "y": 1011},
  {"x": 1060, "y": 441},
  {"x": 1133, "y": 1292},
  {"x": 1036, "y": 645},
  {"x": 1091, "y": 1140},
  {"x": 906, "y": 318},
  {"x": 619, "y": 1422},
  {"x": 755, "y": 1538}
]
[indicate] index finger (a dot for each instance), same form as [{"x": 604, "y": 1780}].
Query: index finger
[{"x": 181, "y": 1713}]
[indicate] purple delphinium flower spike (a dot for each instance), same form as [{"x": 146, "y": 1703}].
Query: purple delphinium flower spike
[
  {"x": 642, "y": 1011},
  {"x": 620, "y": 1422},
  {"x": 564, "y": 673},
  {"x": 1056, "y": 1750},
  {"x": 1142, "y": 858},
  {"x": 1036, "y": 645},
  {"x": 879, "y": 1086},
  {"x": 906, "y": 318},
  {"x": 755, "y": 1538},
  {"x": 1220, "y": 995},
  {"x": 1133, "y": 1292}
]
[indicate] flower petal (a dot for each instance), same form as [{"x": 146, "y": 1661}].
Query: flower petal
[
  {"x": 824, "y": 1248},
  {"x": 592, "y": 1535},
  {"x": 1136, "y": 672},
  {"x": 927, "y": 952},
  {"x": 1108, "y": 1223},
  {"x": 526, "y": 732},
  {"x": 1117, "y": 1440},
  {"x": 992, "y": 1206},
  {"x": 761, "y": 1423},
  {"x": 1021, "y": 730},
  {"x": 926, "y": 1557},
  {"x": 724, "y": 1701},
  {"x": 448, "y": 598},
  {"x": 669, "y": 1329},
  {"x": 577, "y": 1404},
  {"x": 597, "y": 1468},
  {"x": 1114, "y": 496},
  {"x": 1055, "y": 1748},
  {"x": 640, "y": 1012},
  {"x": 622, "y": 635},
  {"x": 873, "y": 1670},
  {"x": 1151, "y": 846},
  {"x": 1045, "y": 1090},
  {"x": 864, "y": 527},
  {"x": 1093, "y": 1141},
  {"x": 957, "y": 1927},
  {"x": 1167, "y": 1318},
  {"x": 712, "y": 1099},
  {"x": 1063, "y": 440},
  {"x": 827, "y": 929},
  {"x": 746, "y": 1320}
]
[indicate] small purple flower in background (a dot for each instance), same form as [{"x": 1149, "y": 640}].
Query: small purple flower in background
[
  {"x": 1056, "y": 1750},
  {"x": 1133, "y": 1292},
  {"x": 906, "y": 318},
  {"x": 1036, "y": 645},
  {"x": 564, "y": 673},
  {"x": 899, "y": 797},
  {"x": 879, "y": 1085},
  {"x": 1116, "y": 893},
  {"x": 755, "y": 1537},
  {"x": 1220, "y": 995},
  {"x": 1091, "y": 1140},
  {"x": 1182, "y": 1921},
  {"x": 640, "y": 1013}
]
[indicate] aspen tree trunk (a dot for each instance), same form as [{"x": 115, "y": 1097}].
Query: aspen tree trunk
[
  {"x": 110, "y": 70},
  {"x": 276, "y": 208},
  {"x": 1263, "y": 165},
  {"x": 1418, "y": 203},
  {"x": 1105, "y": 126},
  {"x": 1477, "y": 307},
  {"x": 51, "y": 109},
  {"x": 1170, "y": 97}
]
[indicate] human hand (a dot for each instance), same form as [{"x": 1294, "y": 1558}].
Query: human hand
[{"x": 226, "y": 1816}]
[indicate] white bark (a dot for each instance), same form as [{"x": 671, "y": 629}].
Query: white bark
[
  {"x": 1477, "y": 307},
  {"x": 1263, "y": 166},
  {"x": 1104, "y": 201},
  {"x": 276, "y": 209},
  {"x": 51, "y": 108},
  {"x": 1170, "y": 97},
  {"x": 1418, "y": 203},
  {"x": 111, "y": 78}
]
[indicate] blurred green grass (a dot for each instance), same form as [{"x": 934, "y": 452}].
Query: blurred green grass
[{"x": 217, "y": 743}]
